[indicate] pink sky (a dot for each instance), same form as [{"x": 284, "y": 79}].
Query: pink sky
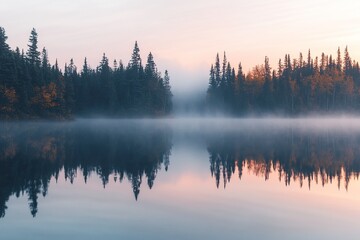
[{"x": 184, "y": 36}]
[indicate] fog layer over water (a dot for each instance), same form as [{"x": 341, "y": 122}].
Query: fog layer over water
[{"x": 182, "y": 178}]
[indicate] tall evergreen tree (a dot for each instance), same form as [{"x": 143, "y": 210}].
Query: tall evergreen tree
[
  {"x": 309, "y": 60},
  {"x": 338, "y": 60},
  {"x": 223, "y": 72},
  {"x": 240, "y": 94},
  {"x": 8, "y": 83},
  {"x": 217, "y": 70},
  {"x": 212, "y": 81},
  {"x": 150, "y": 67},
  {"x": 33, "y": 53},
  {"x": 168, "y": 94},
  {"x": 347, "y": 61},
  {"x": 135, "y": 61},
  {"x": 151, "y": 78},
  {"x": 4, "y": 47},
  {"x": 301, "y": 60},
  {"x": 45, "y": 66},
  {"x": 267, "y": 97}
]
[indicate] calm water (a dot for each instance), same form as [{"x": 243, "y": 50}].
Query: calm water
[{"x": 180, "y": 179}]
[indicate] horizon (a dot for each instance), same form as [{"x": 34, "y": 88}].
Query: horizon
[
  {"x": 178, "y": 35},
  {"x": 179, "y": 141}
]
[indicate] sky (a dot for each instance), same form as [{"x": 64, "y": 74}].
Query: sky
[{"x": 184, "y": 36}]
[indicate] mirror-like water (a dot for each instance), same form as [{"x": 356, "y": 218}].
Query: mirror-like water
[{"x": 180, "y": 179}]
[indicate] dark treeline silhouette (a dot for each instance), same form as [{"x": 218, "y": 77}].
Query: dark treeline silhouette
[
  {"x": 30, "y": 87},
  {"x": 291, "y": 155},
  {"x": 298, "y": 86},
  {"x": 32, "y": 154}
]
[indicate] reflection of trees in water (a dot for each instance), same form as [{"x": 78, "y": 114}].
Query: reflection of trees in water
[
  {"x": 294, "y": 156},
  {"x": 31, "y": 155}
]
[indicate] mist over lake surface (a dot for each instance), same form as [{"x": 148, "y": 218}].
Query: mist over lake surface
[{"x": 181, "y": 178}]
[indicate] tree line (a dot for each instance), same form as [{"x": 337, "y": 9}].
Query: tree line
[
  {"x": 298, "y": 86},
  {"x": 30, "y": 87}
]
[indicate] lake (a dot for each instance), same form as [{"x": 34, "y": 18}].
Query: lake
[{"x": 188, "y": 178}]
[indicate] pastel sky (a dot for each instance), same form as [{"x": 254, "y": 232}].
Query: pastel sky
[{"x": 185, "y": 35}]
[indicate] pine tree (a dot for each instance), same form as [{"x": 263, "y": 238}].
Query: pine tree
[
  {"x": 85, "y": 70},
  {"x": 151, "y": 82},
  {"x": 6, "y": 62},
  {"x": 338, "y": 60},
  {"x": 309, "y": 60},
  {"x": 330, "y": 63},
  {"x": 70, "y": 76},
  {"x": 301, "y": 61},
  {"x": 150, "y": 67},
  {"x": 223, "y": 73},
  {"x": 8, "y": 82},
  {"x": 217, "y": 70},
  {"x": 108, "y": 91},
  {"x": 45, "y": 59},
  {"x": 229, "y": 87},
  {"x": 267, "y": 88},
  {"x": 135, "y": 61},
  {"x": 240, "y": 91},
  {"x": 45, "y": 66},
  {"x": 33, "y": 54},
  {"x": 322, "y": 63},
  {"x": 280, "y": 68},
  {"x": 212, "y": 88},
  {"x": 347, "y": 62},
  {"x": 84, "y": 98},
  {"x": 115, "y": 65},
  {"x": 168, "y": 94},
  {"x": 4, "y": 47},
  {"x": 212, "y": 81}
]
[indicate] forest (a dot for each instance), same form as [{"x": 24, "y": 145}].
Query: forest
[
  {"x": 298, "y": 86},
  {"x": 32, "y": 88}
]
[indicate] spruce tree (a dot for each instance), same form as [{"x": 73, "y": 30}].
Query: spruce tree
[
  {"x": 33, "y": 54},
  {"x": 8, "y": 82},
  {"x": 212, "y": 81},
  {"x": 135, "y": 61},
  {"x": 267, "y": 88},
  {"x": 4, "y": 47},
  {"x": 224, "y": 73},
  {"x": 150, "y": 67},
  {"x": 347, "y": 62},
  {"x": 338, "y": 60},
  {"x": 45, "y": 66},
  {"x": 309, "y": 60},
  {"x": 168, "y": 94},
  {"x": 151, "y": 82}
]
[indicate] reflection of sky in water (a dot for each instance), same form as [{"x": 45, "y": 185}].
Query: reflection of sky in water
[{"x": 184, "y": 203}]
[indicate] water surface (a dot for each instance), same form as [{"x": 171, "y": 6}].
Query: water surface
[{"x": 180, "y": 179}]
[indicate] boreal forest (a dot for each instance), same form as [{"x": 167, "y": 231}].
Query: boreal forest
[
  {"x": 32, "y": 88},
  {"x": 302, "y": 85}
]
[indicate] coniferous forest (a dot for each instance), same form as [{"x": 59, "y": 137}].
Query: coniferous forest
[
  {"x": 30, "y": 87},
  {"x": 298, "y": 86}
]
